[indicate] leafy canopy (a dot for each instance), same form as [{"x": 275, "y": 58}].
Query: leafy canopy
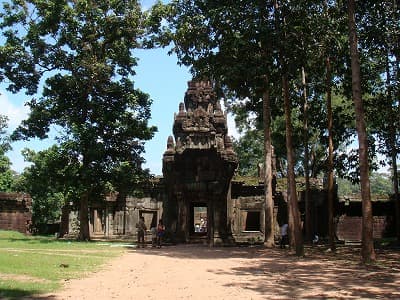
[{"x": 83, "y": 52}]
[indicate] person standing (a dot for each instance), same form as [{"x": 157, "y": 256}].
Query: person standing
[
  {"x": 284, "y": 236},
  {"x": 141, "y": 230},
  {"x": 153, "y": 231},
  {"x": 160, "y": 232}
]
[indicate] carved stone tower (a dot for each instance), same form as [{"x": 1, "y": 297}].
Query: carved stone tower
[{"x": 198, "y": 166}]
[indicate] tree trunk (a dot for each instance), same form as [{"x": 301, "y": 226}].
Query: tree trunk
[
  {"x": 269, "y": 202},
  {"x": 392, "y": 138},
  {"x": 331, "y": 224},
  {"x": 295, "y": 232},
  {"x": 395, "y": 152},
  {"x": 84, "y": 234},
  {"x": 396, "y": 190},
  {"x": 64, "y": 225},
  {"x": 307, "y": 217},
  {"x": 367, "y": 251}
]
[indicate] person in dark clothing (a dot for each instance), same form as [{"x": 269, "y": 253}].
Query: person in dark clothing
[
  {"x": 141, "y": 230},
  {"x": 160, "y": 232}
]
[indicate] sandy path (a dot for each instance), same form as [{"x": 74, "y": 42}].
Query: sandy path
[{"x": 199, "y": 272}]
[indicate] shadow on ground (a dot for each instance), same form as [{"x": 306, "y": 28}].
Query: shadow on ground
[
  {"x": 278, "y": 274},
  {"x": 319, "y": 275}
]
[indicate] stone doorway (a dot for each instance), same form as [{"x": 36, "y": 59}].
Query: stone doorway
[
  {"x": 97, "y": 217},
  {"x": 199, "y": 219},
  {"x": 198, "y": 166}
]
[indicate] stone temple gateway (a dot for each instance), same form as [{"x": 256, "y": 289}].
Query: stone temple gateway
[
  {"x": 198, "y": 167},
  {"x": 196, "y": 197}
]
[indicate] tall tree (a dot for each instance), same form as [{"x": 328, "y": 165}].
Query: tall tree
[
  {"x": 268, "y": 177},
  {"x": 380, "y": 39},
  {"x": 295, "y": 233},
  {"x": 330, "y": 155},
  {"x": 213, "y": 38},
  {"x": 367, "y": 252},
  {"x": 307, "y": 200},
  {"x": 84, "y": 50},
  {"x": 51, "y": 181},
  {"x": 6, "y": 174}
]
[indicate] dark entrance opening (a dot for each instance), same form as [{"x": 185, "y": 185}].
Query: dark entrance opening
[
  {"x": 252, "y": 221},
  {"x": 198, "y": 216}
]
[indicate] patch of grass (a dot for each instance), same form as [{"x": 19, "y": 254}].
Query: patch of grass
[
  {"x": 38, "y": 264},
  {"x": 15, "y": 289}
]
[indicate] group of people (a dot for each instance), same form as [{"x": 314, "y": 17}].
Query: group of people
[{"x": 157, "y": 233}]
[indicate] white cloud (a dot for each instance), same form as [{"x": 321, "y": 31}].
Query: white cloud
[
  {"x": 15, "y": 113},
  {"x": 232, "y": 130}
]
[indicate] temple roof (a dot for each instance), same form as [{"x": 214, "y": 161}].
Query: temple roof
[{"x": 200, "y": 124}]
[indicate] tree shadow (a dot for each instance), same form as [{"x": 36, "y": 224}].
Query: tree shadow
[
  {"x": 282, "y": 275},
  {"x": 196, "y": 251},
  {"x": 17, "y": 294}
]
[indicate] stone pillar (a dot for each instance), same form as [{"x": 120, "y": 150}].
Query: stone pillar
[{"x": 183, "y": 217}]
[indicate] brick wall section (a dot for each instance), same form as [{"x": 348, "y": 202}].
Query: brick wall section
[
  {"x": 15, "y": 211},
  {"x": 349, "y": 227}
]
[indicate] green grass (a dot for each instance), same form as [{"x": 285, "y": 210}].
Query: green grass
[{"x": 34, "y": 265}]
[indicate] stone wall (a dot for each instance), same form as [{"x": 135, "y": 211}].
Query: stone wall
[
  {"x": 117, "y": 218},
  {"x": 15, "y": 211},
  {"x": 349, "y": 228},
  {"x": 247, "y": 219},
  {"x": 124, "y": 221},
  {"x": 349, "y": 225}
]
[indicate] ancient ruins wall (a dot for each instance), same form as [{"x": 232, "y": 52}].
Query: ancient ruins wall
[
  {"x": 15, "y": 211},
  {"x": 350, "y": 227},
  {"x": 112, "y": 219},
  {"x": 247, "y": 219},
  {"x": 124, "y": 221}
]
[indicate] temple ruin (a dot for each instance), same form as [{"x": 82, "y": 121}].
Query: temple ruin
[
  {"x": 197, "y": 197},
  {"x": 15, "y": 212},
  {"x": 198, "y": 167}
]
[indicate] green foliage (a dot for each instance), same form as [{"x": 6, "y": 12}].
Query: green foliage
[
  {"x": 4, "y": 139},
  {"x": 6, "y": 174},
  {"x": 83, "y": 50},
  {"x": 378, "y": 38},
  {"x": 238, "y": 45},
  {"x": 241, "y": 44},
  {"x": 250, "y": 151},
  {"x": 51, "y": 180},
  {"x": 346, "y": 187},
  {"x": 381, "y": 184}
]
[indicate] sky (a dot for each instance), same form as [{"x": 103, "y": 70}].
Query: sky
[{"x": 157, "y": 74}]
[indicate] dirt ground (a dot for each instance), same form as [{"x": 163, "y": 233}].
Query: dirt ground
[{"x": 199, "y": 272}]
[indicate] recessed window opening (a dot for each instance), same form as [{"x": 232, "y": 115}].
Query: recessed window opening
[{"x": 252, "y": 221}]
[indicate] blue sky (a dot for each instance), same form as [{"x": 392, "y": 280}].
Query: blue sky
[{"x": 157, "y": 74}]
